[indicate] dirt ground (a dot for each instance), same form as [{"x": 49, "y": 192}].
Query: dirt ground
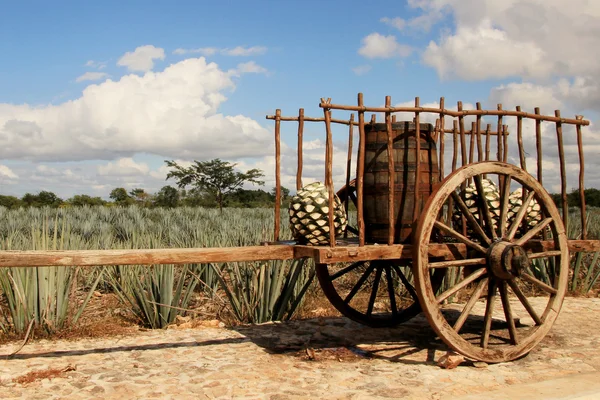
[{"x": 328, "y": 357}]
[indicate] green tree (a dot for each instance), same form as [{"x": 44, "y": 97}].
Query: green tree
[
  {"x": 216, "y": 177},
  {"x": 121, "y": 197},
  {"x": 85, "y": 200},
  {"x": 43, "y": 198},
  {"x": 167, "y": 197},
  {"x": 11, "y": 202},
  {"x": 140, "y": 196}
]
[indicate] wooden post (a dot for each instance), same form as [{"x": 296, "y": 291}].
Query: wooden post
[
  {"x": 463, "y": 144},
  {"x": 349, "y": 166},
  {"x": 300, "y": 142},
  {"x": 520, "y": 141},
  {"x": 505, "y": 143},
  {"x": 391, "y": 172},
  {"x": 442, "y": 139},
  {"x": 479, "y": 145},
  {"x": 329, "y": 173},
  {"x": 360, "y": 171},
  {"x": 538, "y": 145},
  {"x": 416, "y": 208},
  {"x": 499, "y": 155},
  {"x": 581, "y": 180},
  {"x": 455, "y": 144},
  {"x": 277, "y": 173},
  {"x": 487, "y": 141},
  {"x": 472, "y": 143},
  {"x": 563, "y": 173}
]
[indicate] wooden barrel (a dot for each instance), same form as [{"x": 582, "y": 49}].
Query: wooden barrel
[{"x": 376, "y": 180}]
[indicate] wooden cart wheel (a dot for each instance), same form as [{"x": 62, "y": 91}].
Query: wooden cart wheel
[
  {"x": 374, "y": 293},
  {"x": 501, "y": 258}
]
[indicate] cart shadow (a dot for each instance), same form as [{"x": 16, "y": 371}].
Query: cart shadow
[{"x": 338, "y": 338}]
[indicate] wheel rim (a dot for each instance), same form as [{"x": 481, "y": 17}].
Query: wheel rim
[
  {"x": 375, "y": 293},
  {"x": 492, "y": 319}
]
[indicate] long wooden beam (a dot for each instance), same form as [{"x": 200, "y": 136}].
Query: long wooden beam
[{"x": 321, "y": 254}]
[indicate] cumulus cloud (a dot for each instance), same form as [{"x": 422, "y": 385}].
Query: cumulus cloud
[
  {"x": 173, "y": 113},
  {"x": 397, "y": 22},
  {"x": 361, "y": 69},
  {"x": 91, "y": 76},
  {"x": 377, "y": 45},
  {"x": 123, "y": 167},
  {"x": 239, "y": 51},
  {"x": 6, "y": 172},
  {"x": 142, "y": 58},
  {"x": 249, "y": 67}
]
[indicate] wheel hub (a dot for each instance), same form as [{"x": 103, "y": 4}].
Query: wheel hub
[{"x": 507, "y": 260}]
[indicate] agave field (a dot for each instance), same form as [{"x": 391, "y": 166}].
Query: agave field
[{"x": 54, "y": 298}]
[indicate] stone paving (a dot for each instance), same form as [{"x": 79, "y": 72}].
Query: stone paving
[{"x": 319, "y": 358}]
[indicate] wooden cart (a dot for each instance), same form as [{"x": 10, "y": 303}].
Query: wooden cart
[{"x": 419, "y": 242}]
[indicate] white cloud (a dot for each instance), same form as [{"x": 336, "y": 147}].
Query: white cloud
[
  {"x": 173, "y": 113},
  {"x": 142, "y": 58},
  {"x": 239, "y": 51},
  {"x": 123, "y": 167},
  {"x": 91, "y": 76},
  {"x": 6, "y": 172},
  {"x": 398, "y": 23},
  {"x": 249, "y": 67},
  {"x": 376, "y": 45},
  {"x": 96, "y": 64},
  {"x": 361, "y": 69}
]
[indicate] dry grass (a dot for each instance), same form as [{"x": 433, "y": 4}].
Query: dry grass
[{"x": 49, "y": 373}]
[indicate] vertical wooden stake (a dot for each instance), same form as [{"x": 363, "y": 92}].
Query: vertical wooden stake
[
  {"x": 472, "y": 143},
  {"x": 463, "y": 144},
  {"x": 455, "y": 144},
  {"x": 499, "y": 154},
  {"x": 391, "y": 172},
  {"x": 360, "y": 171},
  {"x": 416, "y": 205},
  {"x": 479, "y": 145},
  {"x": 300, "y": 142},
  {"x": 505, "y": 143},
  {"x": 563, "y": 173},
  {"x": 538, "y": 144},
  {"x": 329, "y": 174},
  {"x": 442, "y": 138},
  {"x": 520, "y": 141},
  {"x": 373, "y": 118},
  {"x": 277, "y": 173},
  {"x": 349, "y": 166},
  {"x": 581, "y": 180},
  {"x": 488, "y": 130}
]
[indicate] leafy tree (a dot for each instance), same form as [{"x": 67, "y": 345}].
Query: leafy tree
[
  {"x": 121, "y": 197},
  {"x": 140, "y": 196},
  {"x": 43, "y": 198},
  {"x": 167, "y": 196},
  {"x": 215, "y": 177},
  {"x": 85, "y": 200},
  {"x": 10, "y": 202}
]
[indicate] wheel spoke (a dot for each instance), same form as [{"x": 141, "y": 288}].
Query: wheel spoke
[
  {"x": 512, "y": 331},
  {"x": 519, "y": 217},
  {"x": 470, "y": 304},
  {"x": 458, "y": 263},
  {"x": 349, "y": 268},
  {"x": 390, "y": 286},
  {"x": 483, "y": 206},
  {"x": 359, "y": 284},
  {"x": 505, "y": 183},
  {"x": 538, "y": 283},
  {"x": 489, "y": 310},
  {"x": 407, "y": 284},
  {"x": 479, "y": 273},
  {"x": 551, "y": 253},
  {"x": 374, "y": 290},
  {"x": 523, "y": 299},
  {"x": 352, "y": 229},
  {"x": 532, "y": 232},
  {"x": 467, "y": 213},
  {"x": 458, "y": 236},
  {"x": 353, "y": 198}
]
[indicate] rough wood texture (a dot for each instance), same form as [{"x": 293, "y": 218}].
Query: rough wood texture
[
  {"x": 538, "y": 145},
  {"x": 520, "y": 140},
  {"x": 329, "y": 174},
  {"x": 581, "y": 183},
  {"x": 563, "y": 171},
  {"x": 300, "y": 143},
  {"x": 349, "y": 164},
  {"x": 499, "y": 154},
  {"x": 452, "y": 113},
  {"x": 87, "y": 258},
  {"x": 417, "y": 208},
  {"x": 360, "y": 172},
  {"x": 277, "y": 173},
  {"x": 442, "y": 139},
  {"x": 391, "y": 172}
]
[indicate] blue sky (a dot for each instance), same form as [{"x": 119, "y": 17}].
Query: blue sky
[{"x": 79, "y": 115}]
